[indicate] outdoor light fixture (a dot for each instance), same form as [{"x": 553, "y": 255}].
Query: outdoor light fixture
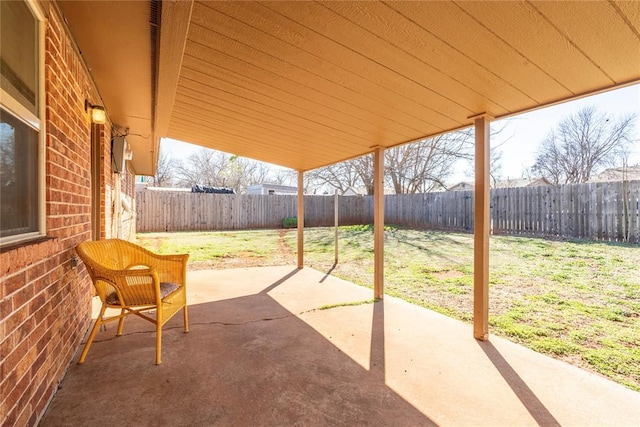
[{"x": 98, "y": 113}]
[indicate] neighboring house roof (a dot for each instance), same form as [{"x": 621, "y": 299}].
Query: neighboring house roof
[
  {"x": 354, "y": 192},
  {"x": 631, "y": 173},
  {"x": 505, "y": 183},
  {"x": 462, "y": 186},
  {"x": 521, "y": 182},
  {"x": 271, "y": 188}
]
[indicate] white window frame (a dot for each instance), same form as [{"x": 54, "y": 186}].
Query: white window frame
[{"x": 36, "y": 122}]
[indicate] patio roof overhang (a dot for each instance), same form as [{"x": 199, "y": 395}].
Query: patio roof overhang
[{"x": 306, "y": 84}]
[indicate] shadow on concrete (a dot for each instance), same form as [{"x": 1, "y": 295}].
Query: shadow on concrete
[
  {"x": 377, "y": 354},
  {"x": 247, "y": 361},
  {"x": 530, "y": 401},
  {"x": 328, "y": 273},
  {"x": 279, "y": 282}
]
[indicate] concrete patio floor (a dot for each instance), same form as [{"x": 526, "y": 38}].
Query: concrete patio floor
[{"x": 261, "y": 352}]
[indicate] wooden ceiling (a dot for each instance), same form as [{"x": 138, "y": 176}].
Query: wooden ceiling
[
  {"x": 115, "y": 42},
  {"x": 306, "y": 84}
]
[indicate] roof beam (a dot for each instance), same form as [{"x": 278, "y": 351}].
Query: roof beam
[{"x": 174, "y": 26}]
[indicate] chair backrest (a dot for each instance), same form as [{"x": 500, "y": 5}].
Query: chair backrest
[{"x": 112, "y": 254}]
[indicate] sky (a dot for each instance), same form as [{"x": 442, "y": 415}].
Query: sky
[
  {"x": 526, "y": 131},
  {"x": 522, "y": 134}
]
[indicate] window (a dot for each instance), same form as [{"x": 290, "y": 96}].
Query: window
[{"x": 21, "y": 133}]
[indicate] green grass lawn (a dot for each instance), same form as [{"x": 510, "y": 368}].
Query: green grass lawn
[
  {"x": 223, "y": 249},
  {"x": 575, "y": 300}
]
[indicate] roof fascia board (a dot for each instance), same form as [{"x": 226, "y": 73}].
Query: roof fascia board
[{"x": 174, "y": 27}]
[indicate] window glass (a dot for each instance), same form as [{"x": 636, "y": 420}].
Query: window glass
[
  {"x": 18, "y": 176},
  {"x": 19, "y": 53}
]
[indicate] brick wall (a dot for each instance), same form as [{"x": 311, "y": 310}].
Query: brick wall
[{"x": 44, "y": 300}]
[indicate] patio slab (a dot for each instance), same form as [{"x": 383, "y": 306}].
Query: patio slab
[{"x": 262, "y": 352}]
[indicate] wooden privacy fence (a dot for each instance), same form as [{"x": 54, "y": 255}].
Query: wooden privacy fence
[
  {"x": 183, "y": 211},
  {"x": 606, "y": 211}
]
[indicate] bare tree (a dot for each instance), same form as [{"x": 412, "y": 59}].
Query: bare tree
[
  {"x": 582, "y": 144},
  {"x": 342, "y": 176},
  {"x": 200, "y": 168},
  {"x": 213, "y": 168},
  {"x": 527, "y": 172},
  {"x": 165, "y": 170},
  {"x": 280, "y": 176},
  {"x": 426, "y": 165},
  {"x": 411, "y": 168},
  {"x": 418, "y": 167}
]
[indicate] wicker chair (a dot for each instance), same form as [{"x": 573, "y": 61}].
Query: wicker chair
[{"x": 132, "y": 279}]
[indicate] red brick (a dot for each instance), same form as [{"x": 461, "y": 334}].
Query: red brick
[
  {"x": 6, "y": 346},
  {"x": 41, "y": 397},
  {"x": 18, "y": 317},
  {"x": 10, "y": 419},
  {"x": 37, "y": 303},
  {"x": 7, "y": 384},
  {"x": 36, "y": 337},
  {"x": 22, "y": 296},
  {"x": 24, "y": 364},
  {"x": 22, "y": 332},
  {"x": 35, "y": 272},
  {"x": 18, "y": 391},
  {"x": 6, "y": 307},
  {"x": 37, "y": 362},
  {"x": 33, "y": 414},
  {"x": 24, "y": 411},
  {"x": 43, "y": 339}
]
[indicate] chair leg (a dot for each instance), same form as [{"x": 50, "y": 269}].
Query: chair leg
[
  {"x": 186, "y": 319},
  {"x": 120, "y": 323},
  {"x": 158, "y": 342},
  {"x": 92, "y": 335}
]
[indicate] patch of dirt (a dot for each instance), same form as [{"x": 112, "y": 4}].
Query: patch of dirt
[
  {"x": 227, "y": 262},
  {"x": 154, "y": 243},
  {"x": 503, "y": 296},
  {"x": 447, "y": 274},
  {"x": 245, "y": 254},
  {"x": 284, "y": 251},
  {"x": 285, "y": 255}
]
